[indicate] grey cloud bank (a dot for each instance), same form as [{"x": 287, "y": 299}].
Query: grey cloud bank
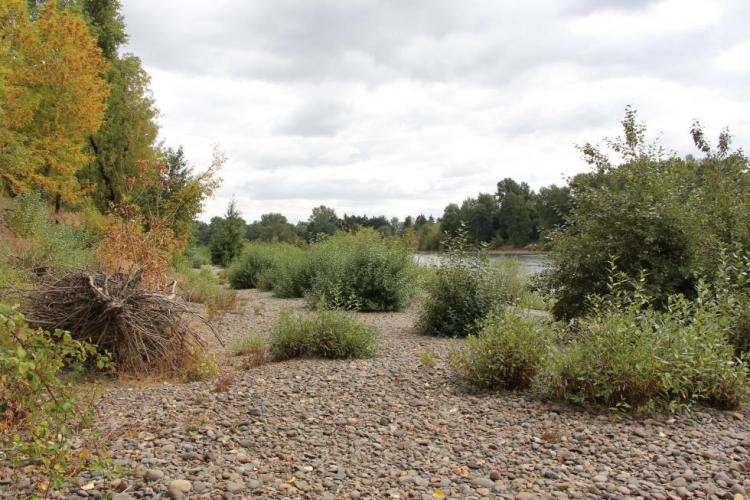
[{"x": 403, "y": 107}]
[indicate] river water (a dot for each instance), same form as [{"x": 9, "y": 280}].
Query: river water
[{"x": 531, "y": 264}]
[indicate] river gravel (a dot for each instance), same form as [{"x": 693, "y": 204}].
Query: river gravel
[{"x": 389, "y": 427}]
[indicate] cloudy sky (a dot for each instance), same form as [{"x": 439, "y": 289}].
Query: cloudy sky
[{"x": 399, "y": 107}]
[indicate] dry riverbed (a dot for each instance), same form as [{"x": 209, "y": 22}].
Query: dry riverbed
[{"x": 389, "y": 427}]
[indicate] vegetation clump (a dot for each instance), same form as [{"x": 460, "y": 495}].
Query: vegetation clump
[
  {"x": 463, "y": 291},
  {"x": 363, "y": 272},
  {"x": 253, "y": 348},
  {"x": 506, "y": 354},
  {"x": 39, "y": 406},
  {"x": 204, "y": 287},
  {"x": 324, "y": 334},
  {"x": 655, "y": 212},
  {"x": 279, "y": 267},
  {"x": 629, "y": 354},
  {"x": 42, "y": 244}
]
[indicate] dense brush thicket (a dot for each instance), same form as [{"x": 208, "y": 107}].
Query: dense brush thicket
[
  {"x": 626, "y": 353},
  {"x": 363, "y": 272},
  {"x": 654, "y": 212},
  {"x": 279, "y": 267}
]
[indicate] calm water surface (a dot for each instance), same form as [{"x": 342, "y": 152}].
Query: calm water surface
[{"x": 530, "y": 263}]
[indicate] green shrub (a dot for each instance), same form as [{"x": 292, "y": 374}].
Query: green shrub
[
  {"x": 506, "y": 354},
  {"x": 325, "y": 334},
  {"x": 47, "y": 244},
  {"x": 245, "y": 271},
  {"x": 463, "y": 290},
  {"x": 362, "y": 271},
  {"x": 290, "y": 277},
  {"x": 428, "y": 358},
  {"x": 39, "y": 404},
  {"x": 655, "y": 212},
  {"x": 730, "y": 294},
  {"x": 202, "y": 366},
  {"x": 629, "y": 355},
  {"x": 279, "y": 267},
  {"x": 10, "y": 276}
]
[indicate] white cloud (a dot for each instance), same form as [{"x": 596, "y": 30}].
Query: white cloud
[{"x": 397, "y": 108}]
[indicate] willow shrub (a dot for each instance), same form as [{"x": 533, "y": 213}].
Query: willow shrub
[
  {"x": 628, "y": 354},
  {"x": 42, "y": 242},
  {"x": 279, "y": 267},
  {"x": 324, "y": 334},
  {"x": 506, "y": 354},
  {"x": 464, "y": 290},
  {"x": 363, "y": 272}
]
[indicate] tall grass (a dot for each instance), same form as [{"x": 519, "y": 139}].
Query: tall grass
[
  {"x": 42, "y": 242},
  {"x": 204, "y": 287}
]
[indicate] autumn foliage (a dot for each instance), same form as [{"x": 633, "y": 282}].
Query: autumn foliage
[{"x": 52, "y": 97}]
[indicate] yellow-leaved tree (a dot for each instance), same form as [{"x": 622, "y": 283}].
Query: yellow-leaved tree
[{"x": 52, "y": 97}]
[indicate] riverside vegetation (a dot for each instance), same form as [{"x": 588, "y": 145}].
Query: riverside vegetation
[{"x": 648, "y": 292}]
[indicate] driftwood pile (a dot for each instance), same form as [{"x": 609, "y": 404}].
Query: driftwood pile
[{"x": 145, "y": 332}]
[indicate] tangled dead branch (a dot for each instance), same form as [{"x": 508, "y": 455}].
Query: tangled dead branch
[{"x": 144, "y": 331}]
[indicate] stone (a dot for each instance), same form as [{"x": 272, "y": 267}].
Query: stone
[
  {"x": 679, "y": 482},
  {"x": 483, "y": 482},
  {"x": 181, "y": 485},
  {"x": 234, "y": 487},
  {"x": 153, "y": 475},
  {"x": 122, "y": 496}
]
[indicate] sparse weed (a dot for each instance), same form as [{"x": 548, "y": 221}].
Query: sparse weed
[
  {"x": 428, "y": 358},
  {"x": 253, "y": 347}
]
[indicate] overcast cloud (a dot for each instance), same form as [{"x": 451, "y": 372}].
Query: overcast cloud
[{"x": 401, "y": 107}]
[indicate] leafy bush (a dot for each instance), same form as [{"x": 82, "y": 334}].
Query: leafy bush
[
  {"x": 654, "y": 212},
  {"x": 326, "y": 334},
  {"x": 362, "y": 271},
  {"x": 271, "y": 266},
  {"x": 9, "y": 275},
  {"x": 506, "y": 354},
  {"x": 628, "y": 354},
  {"x": 428, "y": 358},
  {"x": 730, "y": 294},
  {"x": 290, "y": 275},
  {"x": 463, "y": 290},
  {"x": 38, "y": 404}
]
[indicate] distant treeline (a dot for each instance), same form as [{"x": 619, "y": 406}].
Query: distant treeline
[{"x": 513, "y": 216}]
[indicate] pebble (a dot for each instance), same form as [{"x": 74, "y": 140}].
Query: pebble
[
  {"x": 180, "y": 485},
  {"x": 385, "y": 428},
  {"x": 153, "y": 475},
  {"x": 234, "y": 487}
]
